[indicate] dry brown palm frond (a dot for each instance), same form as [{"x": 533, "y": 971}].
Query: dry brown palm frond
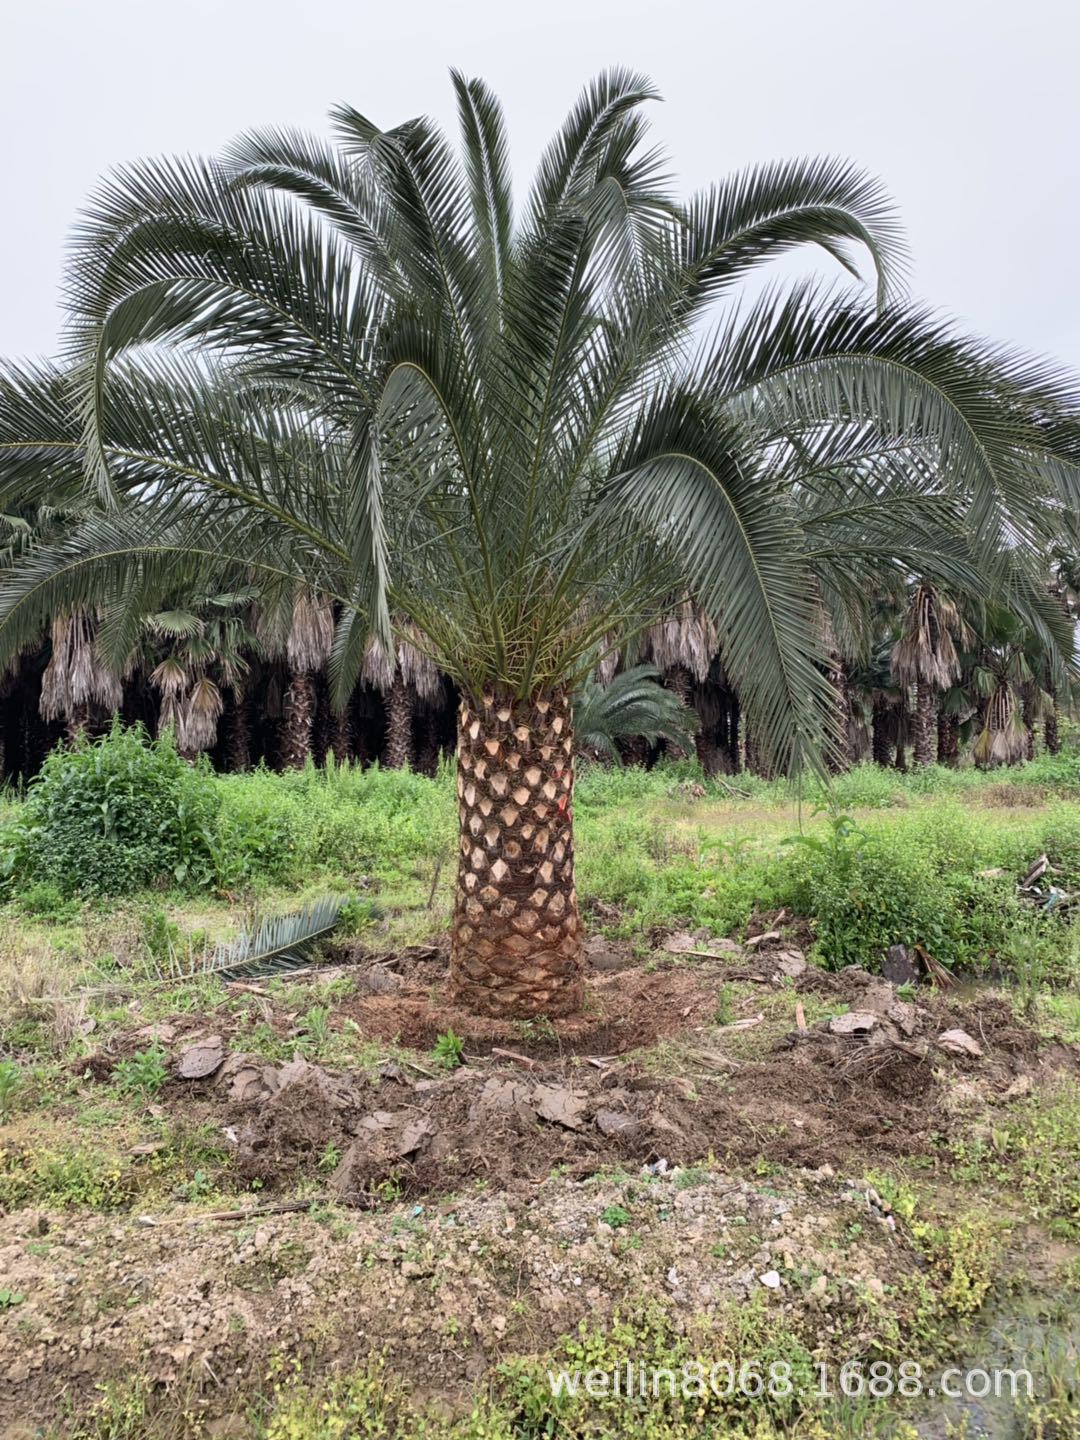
[
  {"x": 75, "y": 676},
  {"x": 199, "y": 715},
  {"x": 925, "y": 651},
  {"x": 686, "y": 637},
  {"x": 311, "y": 633},
  {"x": 380, "y": 665},
  {"x": 408, "y": 654},
  {"x": 170, "y": 677},
  {"x": 419, "y": 670},
  {"x": 1003, "y": 738}
]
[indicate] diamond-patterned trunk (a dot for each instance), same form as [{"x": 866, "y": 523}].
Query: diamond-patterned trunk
[
  {"x": 516, "y": 945},
  {"x": 297, "y": 720},
  {"x": 398, "y": 723},
  {"x": 925, "y": 723}
]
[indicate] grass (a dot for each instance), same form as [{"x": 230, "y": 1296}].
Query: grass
[{"x": 931, "y": 857}]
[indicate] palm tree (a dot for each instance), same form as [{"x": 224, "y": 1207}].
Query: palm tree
[
  {"x": 404, "y": 675},
  {"x": 196, "y": 656},
  {"x": 77, "y": 686},
  {"x": 307, "y": 649},
  {"x": 353, "y": 367},
  {"x": 630, "y": 704},
  {"x": 682, "y": 645},
  {"x": 926, "y": 658}
]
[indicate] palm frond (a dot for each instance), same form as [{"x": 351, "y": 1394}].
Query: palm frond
[
  {"x": 278, "y": 946},
  {"x": 633, "y": 703}
]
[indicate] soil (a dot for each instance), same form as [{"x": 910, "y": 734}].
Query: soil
[
  {"x": 593, "y": 1090},
  {"x": 643, "y": 1082}
]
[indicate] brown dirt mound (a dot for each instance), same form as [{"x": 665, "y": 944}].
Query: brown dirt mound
[
  {"x": 568, "y": 1093},
  {"x": 884, "y": 1085},
  {"x": 626, "y": 1008}
]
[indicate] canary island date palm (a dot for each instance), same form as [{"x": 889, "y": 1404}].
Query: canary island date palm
[{"x": 527, "y": 431}]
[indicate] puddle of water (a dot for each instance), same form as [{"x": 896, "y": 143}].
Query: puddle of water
[{"x": 1034, "y": 1333}]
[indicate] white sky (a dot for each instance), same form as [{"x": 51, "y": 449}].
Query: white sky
[{"x": 967, "y": 109}]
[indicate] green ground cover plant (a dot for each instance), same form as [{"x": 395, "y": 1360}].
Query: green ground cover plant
[{"x": 930, "y": 858}]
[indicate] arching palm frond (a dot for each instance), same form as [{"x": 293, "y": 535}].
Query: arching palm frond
[{"x": 633, "y": 703}]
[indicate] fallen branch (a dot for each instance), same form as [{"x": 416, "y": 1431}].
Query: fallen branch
[
  {"x": 744, "y": 1024},
  {"x": 271, "y": 1207},
  {"x": 525, "y": 1061},
  {"x": 712, "y": 1060}
]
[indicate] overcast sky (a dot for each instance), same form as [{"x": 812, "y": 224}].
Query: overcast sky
[{"x": 967, "y": 109}]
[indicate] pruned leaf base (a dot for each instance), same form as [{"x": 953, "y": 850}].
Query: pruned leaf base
[{"x": 516, "y": 944}]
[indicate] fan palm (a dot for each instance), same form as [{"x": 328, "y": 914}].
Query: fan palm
[
  {"x": 353, "y": 366},
  {"x": 925, "y": 657}
]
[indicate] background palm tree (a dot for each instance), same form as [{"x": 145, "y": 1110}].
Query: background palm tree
[
  {"x": 194, "y": 657},
  {"x": 77, "y": 686},
  {"x": 926, "y": 658},
  {"x": 630, "y": 704},
  {"x": 405, "y": 677},
  {"x": 350, "y": 367}
]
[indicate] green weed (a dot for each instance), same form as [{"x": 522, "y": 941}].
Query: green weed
[{"x": 449, "y": 1050}]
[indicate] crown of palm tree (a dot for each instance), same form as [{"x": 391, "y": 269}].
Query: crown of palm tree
[{"x": 355, "y": 366}]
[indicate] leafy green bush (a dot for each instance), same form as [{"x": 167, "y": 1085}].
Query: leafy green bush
[{"x": 117, "y": 815}]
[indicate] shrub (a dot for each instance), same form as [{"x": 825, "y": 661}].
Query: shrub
[
  {"x": 342, "y": 820},
  {"x": 117, "y": 815}
]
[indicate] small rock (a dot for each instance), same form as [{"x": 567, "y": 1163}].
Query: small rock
[
  {"x": 614, "y": 1122},
  {"x": 163, "y": 1032},
  {"x": 414, "y": 1135},
  {"x": 764, "y": 939},
  {"x": 770, "y": 1279},
  {"x": 379, "y": 981},
  {"x": 559, "y": 1105},
  {"x": 607, "y": 960},
  {"x": 855, "y": 1022},
  {"x": 898, "y": 966},
  {"x": 790, "y": 962},
  {"x": 959, "y": 1042},
  {"x": 201, "y": 1059}
]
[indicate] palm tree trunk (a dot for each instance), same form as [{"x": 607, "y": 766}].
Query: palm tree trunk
[
  {"x": 77, "y": 721},
  {"x": 925, "y": 723},
  {"x": 1027, "y": 710},
  {"x": 341, "y": 736},
  {"x": 238, "y": 734},
  {"x": 297, "y": 719},
  {"x": 681, "y": 683},
  {"x": 840, "y": 758},
  {"x": 1050, "y": 731},
  {"x": 733, "y": 735},
  {"x": 634, "y": 750},
  {"x": 709, "y": 753},
  {"x": 399, "y": 707},
  {"x": 948, "y": 739},
  {"x": 320, "y": 731},
  {"x": 516, "y": 945},
  {"x": 427, "y": 750},
  {"x": 880, "y": 741}
]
